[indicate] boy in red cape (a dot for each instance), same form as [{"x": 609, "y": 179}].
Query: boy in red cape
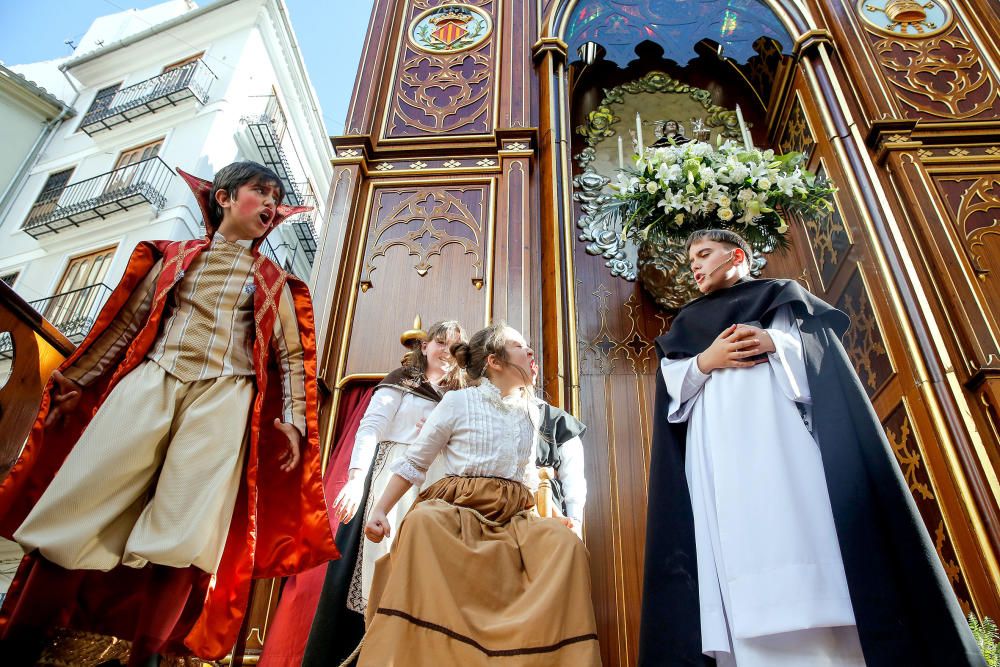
[{"x": 162, "y": 474}]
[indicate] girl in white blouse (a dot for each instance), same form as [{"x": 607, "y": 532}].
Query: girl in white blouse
[
  {"x": 473, "y": 573},
  {"x": 400, "y": 404}
]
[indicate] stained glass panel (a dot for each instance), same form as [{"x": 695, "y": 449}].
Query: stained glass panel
[{"x": 675, "y": 25}]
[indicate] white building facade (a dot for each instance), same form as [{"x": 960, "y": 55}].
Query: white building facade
[
  {"x": 171, "y": 86},
  {"x": 30, "y": 115}
]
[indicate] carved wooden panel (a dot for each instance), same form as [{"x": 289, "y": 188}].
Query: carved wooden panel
[
  {"x": 829, "y": 239},
  {"x": 944, "y": 76},
  {"x": 864, "y": 341},
  {"x": 621, "y": 344},
  {"x": 973, "y": 201},
  {"x": 616, "y": 326},
  {"x": 424, "y": 221},
  {"x": 514, "y": 297},
  {"x": 30, "y": 349},
  {"x": 903, "y": 439},
  {"x": 797, "y": 134},
  {"x": 427, "y": 253},
  {"x": 445, "y": 71}
]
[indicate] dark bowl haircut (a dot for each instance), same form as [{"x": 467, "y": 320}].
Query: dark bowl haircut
[{"x": 234, "y": 176}]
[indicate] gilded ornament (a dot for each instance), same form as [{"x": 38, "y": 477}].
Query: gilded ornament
[
  {"x": 423, "y": 222},
  {"x": 450, "y": 28},
  {"x": 906, "y": 18},
  {"x": 941, "y": 76},
  {"x": 589, "y": 187}
]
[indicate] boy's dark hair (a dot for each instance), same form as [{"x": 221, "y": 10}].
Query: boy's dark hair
[
  {"x": 233, "y": 176},
  {"x": 725, "y": 236}
]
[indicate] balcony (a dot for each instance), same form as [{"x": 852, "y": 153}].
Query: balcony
[
  {"x": 137, "y": 184},
  {"x": 164, "y": 90},
  {"x": 306, "y": 236},
  {"x": 73, "y": 313},
  {"x": 287, "y": 255},
  {"x": 304, "y": 224},
  {"x": 268, "y": 132}
]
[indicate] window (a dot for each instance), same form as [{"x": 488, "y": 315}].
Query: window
[
  {"x": 102, "y": 101},
  {"x": 139, "y": 153},
  {"x": 72, "y": 302},
  {"x": 10, "y": 278},
  {"x": 620, "y": 25},
  {"x": 86, "y": 270},
  {"x": 181, "y": 63},
  {"x": 129, "y": 164},
  {"x": 48, "y": 199}
]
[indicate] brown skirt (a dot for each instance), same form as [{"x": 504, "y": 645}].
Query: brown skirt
[{"x": 473, "y": 577}]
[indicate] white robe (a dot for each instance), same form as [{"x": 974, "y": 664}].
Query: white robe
[{"x": 768, "y": 558}]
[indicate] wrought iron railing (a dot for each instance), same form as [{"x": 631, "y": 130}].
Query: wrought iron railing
[
  {"x": 167, "y": 89},
  {"x": 143, "y": 182},
  {"x": 305, "y": 233},
  {"x": 74, "y": 312},
  {"x": 304, "y": 224},
  {"x": 270, "y": 251},
  {"x": 268, "y": 131}
]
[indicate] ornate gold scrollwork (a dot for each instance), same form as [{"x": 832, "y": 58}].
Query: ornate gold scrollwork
[
  {"x": 436, "y": 218},
  {"x": 797, "y": 135},
  {"x": 863, "y": 341},
  {"x": 905, "y": 447},
  {"x": 604, "y": 349},
  {"x": 941, "y": 76},
  {"x": 439, "y": 87},
  {"x": 975, "y": 214}
]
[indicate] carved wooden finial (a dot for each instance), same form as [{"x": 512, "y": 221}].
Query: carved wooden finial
[{"x": 414, "y": 335}]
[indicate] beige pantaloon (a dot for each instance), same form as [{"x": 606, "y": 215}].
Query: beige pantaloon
[{"x": 153, "y": 478}]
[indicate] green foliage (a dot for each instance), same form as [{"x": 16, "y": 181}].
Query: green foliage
[{"x": 988, "y": 638}]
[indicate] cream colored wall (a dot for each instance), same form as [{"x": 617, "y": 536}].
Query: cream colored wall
[{"x": 20, "y": 129}]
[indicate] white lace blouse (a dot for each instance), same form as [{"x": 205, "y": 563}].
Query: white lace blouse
[{"x": 477, "y": 433}]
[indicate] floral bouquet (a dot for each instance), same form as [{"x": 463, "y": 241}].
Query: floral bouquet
[{"x": 679, "y": 188}]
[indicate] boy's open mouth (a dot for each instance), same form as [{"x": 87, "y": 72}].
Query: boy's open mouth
[{"x": 265, "y": 217}]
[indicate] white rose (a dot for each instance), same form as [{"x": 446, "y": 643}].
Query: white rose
[
  {"x": 724, "y": 201},
  {"x": 764, "y": 184},
  {"x": 725, "y": 214},
  {"x": 652, "y": 187}
]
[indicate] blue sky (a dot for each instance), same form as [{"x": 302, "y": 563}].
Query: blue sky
[{"x": 37, "y": 31}]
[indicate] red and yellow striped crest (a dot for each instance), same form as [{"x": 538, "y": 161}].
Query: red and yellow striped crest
[{"x": 451, "y": 30}]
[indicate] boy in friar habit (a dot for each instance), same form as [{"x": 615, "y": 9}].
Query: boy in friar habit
[
  {"x": 163, "y": 472},
  {"x": 780, "y": 531}
]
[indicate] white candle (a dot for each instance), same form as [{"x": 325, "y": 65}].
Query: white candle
[
  {"x": 621, "y": 153},
  {"x": 638, "y": 132},
  {"x": 747, "y": 141}
]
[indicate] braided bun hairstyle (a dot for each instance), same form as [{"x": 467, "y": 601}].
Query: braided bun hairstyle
[{"x": 472, "y": 356}]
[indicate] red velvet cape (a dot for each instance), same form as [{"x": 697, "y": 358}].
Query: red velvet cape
[{"x": 280, "y": 525}]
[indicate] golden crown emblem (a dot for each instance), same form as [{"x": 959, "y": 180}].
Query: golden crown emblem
[
  {"x": 451, "y": 15},
  {"x": 905, "y": 11}
]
